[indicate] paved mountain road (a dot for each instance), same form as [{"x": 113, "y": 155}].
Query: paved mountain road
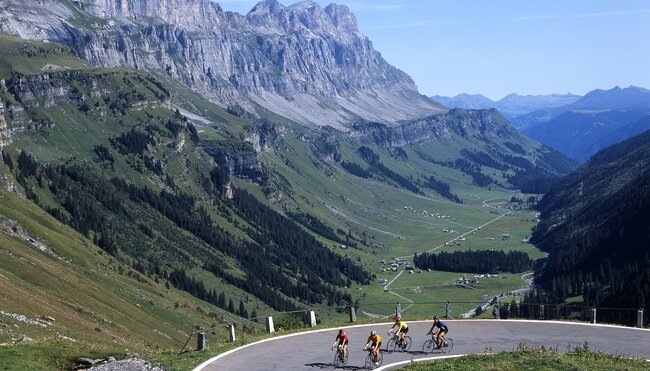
[{"x": 311, "y": 350}]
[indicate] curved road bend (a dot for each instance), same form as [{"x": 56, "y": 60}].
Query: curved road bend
[{"x": 311, "y": 350}]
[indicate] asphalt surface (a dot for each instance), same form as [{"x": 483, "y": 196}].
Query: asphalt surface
[{"x": 311, "y": 351}]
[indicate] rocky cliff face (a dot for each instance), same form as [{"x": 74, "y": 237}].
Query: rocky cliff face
[
  {"x": 5, "y": 133},
  {"x": 303, "y": 61},
  {"x": 485, "y": 125}
]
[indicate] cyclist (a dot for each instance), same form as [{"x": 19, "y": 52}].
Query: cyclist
[
  {"x": 374, "y": 340},
  {"x": 342, "y": 340},
  {"x": 440, "y": 333},
  {"x": 402, "y": 330}
]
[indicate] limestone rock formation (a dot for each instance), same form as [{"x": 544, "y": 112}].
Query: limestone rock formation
[{"x": 306, "y": 62}]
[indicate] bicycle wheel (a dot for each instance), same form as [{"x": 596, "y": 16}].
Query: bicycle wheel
[
  {"x": 391, "y": 345},
  {"x": 338, "y": 361},
  {"x": 344, "y": 361},
  {"x": 370, "y": 360},
  {"x": 407, "y": 343},
  {"x": 449, "y": 347},
  {"x": 428, "y": 346}
]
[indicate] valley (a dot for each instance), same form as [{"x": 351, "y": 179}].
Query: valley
[{"x": 170, "y": 168}]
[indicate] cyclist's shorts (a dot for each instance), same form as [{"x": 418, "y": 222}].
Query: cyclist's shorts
[
  {"x": 405, "y": 331},
  {"x": 375, "y": 345}
]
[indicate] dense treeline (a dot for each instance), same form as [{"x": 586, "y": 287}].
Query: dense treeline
[
  {"x": 282, "y": 262},
  {"x": 531, "y": 181},
  {"x": 316, "y": 225},
  {"x": 484, "y": 159},
  {"x": 298, "y": 249},
  {"x": 472, "y": 170},
  {"x": 442, "y": 188},
  {"x": 378, "y": 167},
  {"x": 479, "y": 261},
  {"x": 355, "y": 169},
  {"x": 195, "y": 287},
  {"x": 595, "y": 224},
  {"x": 133, "y": 141},
  {"x": 516, "y": 148}
]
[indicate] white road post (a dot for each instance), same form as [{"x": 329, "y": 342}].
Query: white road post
[
  {"x": 231, "y": 332},
  {"x": 269, "y": 325},
  {"x": 639, "y": 318},
  {"x": 593, "y": 315},
  {"x": 312, "y": 318}
]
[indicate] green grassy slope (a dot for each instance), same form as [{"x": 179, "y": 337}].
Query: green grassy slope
[{"x": 91, "y": 297}]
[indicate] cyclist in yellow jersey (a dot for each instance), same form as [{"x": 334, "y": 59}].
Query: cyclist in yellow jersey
[
  {"x": 402, "y": 329},
  {"x": 374, "y": 340}
]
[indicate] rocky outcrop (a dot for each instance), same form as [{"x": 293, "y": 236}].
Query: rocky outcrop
[
  {"x": 485, "y": 125},
  {"x": 303, "y": 61},
  {"x": 5, "y": 133},
  {"x": 238, "y": 157}
]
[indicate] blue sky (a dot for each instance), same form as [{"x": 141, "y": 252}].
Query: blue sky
[{"x": 499, "y": 47}]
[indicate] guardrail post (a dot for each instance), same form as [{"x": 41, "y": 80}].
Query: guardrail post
[
  {"x": 312, "y": 318},
  {"x": 497, "y": 311},
  {"x": 200, "y": 341},
  {"x": 639, "y": 318},
  {"x": 231, "y": 332},
  {"x": 269, "y": 325},
  {"x": 593, "y": 315},
  {"x": 353, "y": 314},
  {"x": 541, "y": 311}
]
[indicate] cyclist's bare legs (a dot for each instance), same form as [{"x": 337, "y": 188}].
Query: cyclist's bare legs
[
  {"x": 440, "y": 335},
  {"x": 375, "y": 350}
]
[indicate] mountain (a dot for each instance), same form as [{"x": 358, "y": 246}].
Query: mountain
[
  {"x": 595, "y": 225},
  {"x": 104, "y": 152},
  {"x": 240, "y": 213},
  {"x": 514, "y": 104},
  {"x": 511, "y": 105},
  {"x": 617, "y": 98},
  {"x": 589, "y": 124},
  {"x": 469, "y": 101},
  {"x": 305, "y": 62}
]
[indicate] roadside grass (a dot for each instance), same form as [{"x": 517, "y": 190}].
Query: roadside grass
[
  {"x": 50, "y": 355},
  {"x": 539, "y": 359}
]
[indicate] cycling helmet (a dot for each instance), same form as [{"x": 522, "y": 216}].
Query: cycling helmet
[
  {"x": 341, "y": 332},
  {"x": 435, "y": 318},
  {"x": 373, "y": 333},
  {"x": 397, "y": 318}
]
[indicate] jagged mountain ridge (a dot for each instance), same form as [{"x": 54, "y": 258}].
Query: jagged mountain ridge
[
  {"x": 305, "y": 62},
  {"x": 600, "y": 118}
]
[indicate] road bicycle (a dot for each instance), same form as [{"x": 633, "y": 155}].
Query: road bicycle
[
  {"x": 340, "y": 357},
  {"x": 432, "y": 344},
  {"x": 396, "y": 343},
  {"x": 370, "y": 359}
]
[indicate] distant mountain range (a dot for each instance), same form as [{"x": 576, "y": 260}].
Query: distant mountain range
[
  {"x": 576, "y": 126},
  {"x": 510, "y": 106},
  {"x": 599, "y": 119}
]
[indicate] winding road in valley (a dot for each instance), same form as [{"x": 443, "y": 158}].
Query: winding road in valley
[{"x": 311, "y": 350}]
